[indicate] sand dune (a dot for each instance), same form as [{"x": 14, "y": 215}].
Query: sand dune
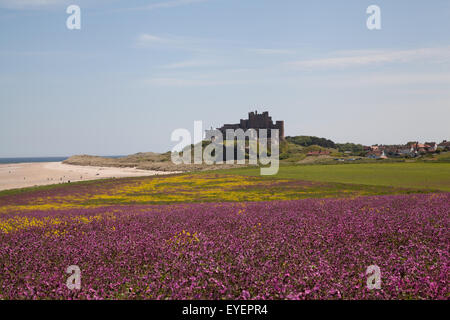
[{"x": 20, "y": 175}]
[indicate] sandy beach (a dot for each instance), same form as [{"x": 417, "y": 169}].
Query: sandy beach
[{"x": 21, "y": 175}]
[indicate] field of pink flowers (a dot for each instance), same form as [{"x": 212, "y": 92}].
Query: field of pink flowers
[{"x": 298, "y": 249}]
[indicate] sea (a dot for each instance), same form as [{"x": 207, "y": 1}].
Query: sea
[{"x": 40, "y": 159}]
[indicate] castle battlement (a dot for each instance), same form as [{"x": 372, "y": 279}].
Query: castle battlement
[{"x": 256, "y": 121}]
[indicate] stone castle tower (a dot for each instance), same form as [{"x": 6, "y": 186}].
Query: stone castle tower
[{"x": 256, "y": 121}]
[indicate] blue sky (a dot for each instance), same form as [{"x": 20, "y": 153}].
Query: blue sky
[{"x": 137, "y": 70}]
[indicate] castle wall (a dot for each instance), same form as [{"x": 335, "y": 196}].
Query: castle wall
[{"x": 256, "y": 121}]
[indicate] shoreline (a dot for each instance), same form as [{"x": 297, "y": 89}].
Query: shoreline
[{"x": 31, "y": 174}]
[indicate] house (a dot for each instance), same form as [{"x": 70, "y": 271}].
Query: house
[
  {"x": 422, "y": 150},
  {"x": 444, "y": 145},
  {"x": 376, "y": 155},
  {"x": 392, "y": 151},
  {"x": 406, "y": 151},
  {"x": 413, "y": 145},
  {"x": 431, "y": 146},
  {"x": 427, "y": 147},
  {"x": 318, "y": 153}
]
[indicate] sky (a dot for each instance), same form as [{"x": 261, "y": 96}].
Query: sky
[{"x": 138, "y": 70}]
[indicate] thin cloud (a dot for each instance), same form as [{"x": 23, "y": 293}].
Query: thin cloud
[
  {"x": 145, "y": 39},
  {"x": 47, "y": 4},
  {"x": 374, "y": 80},
  {"x": 30, "y": 4},
  {"x": 402, "y": 79},
  {"x": 164, "y": 4},
  {"x": 263, "y": 51},
  {"x": 191, "y": 82},
  {"x": 378, "y": 80},
  {"x": 188, "y": 64},
  {"x": 219, "y": 78},
  {"x": 355, "y": 58},
  {"x": 171, "y": 4},
  {"x": 170, "y": 42}
]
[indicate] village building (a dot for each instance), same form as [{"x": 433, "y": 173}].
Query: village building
[
  {"x": 377, "y": 154},
  {"x": 431, "y": 146},
  {"x": 319, "y": 153},
  {"x": 444, "y": 145}
]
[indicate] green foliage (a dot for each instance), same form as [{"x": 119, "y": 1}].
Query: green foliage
[
  {"x": 353, "y": 148},
  {"x": 443, "y": 157},
  {"x": 310, "y": 141},
  {"x": 290, "y": 152},
  {"x": 306, "y": 141}
]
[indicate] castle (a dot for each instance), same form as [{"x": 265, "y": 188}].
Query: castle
[{"x": 256, "y": 121}]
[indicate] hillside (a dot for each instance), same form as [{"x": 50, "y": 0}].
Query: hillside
[
  {"x": 293, "y": 150},
  {"x": 143, "y": 161},
  {"x": 289, "y": 152}
]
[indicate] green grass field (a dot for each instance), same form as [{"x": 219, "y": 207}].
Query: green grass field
[
  {"x": 404, "y": 175},
  {"x": 342, "y": 180}
]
